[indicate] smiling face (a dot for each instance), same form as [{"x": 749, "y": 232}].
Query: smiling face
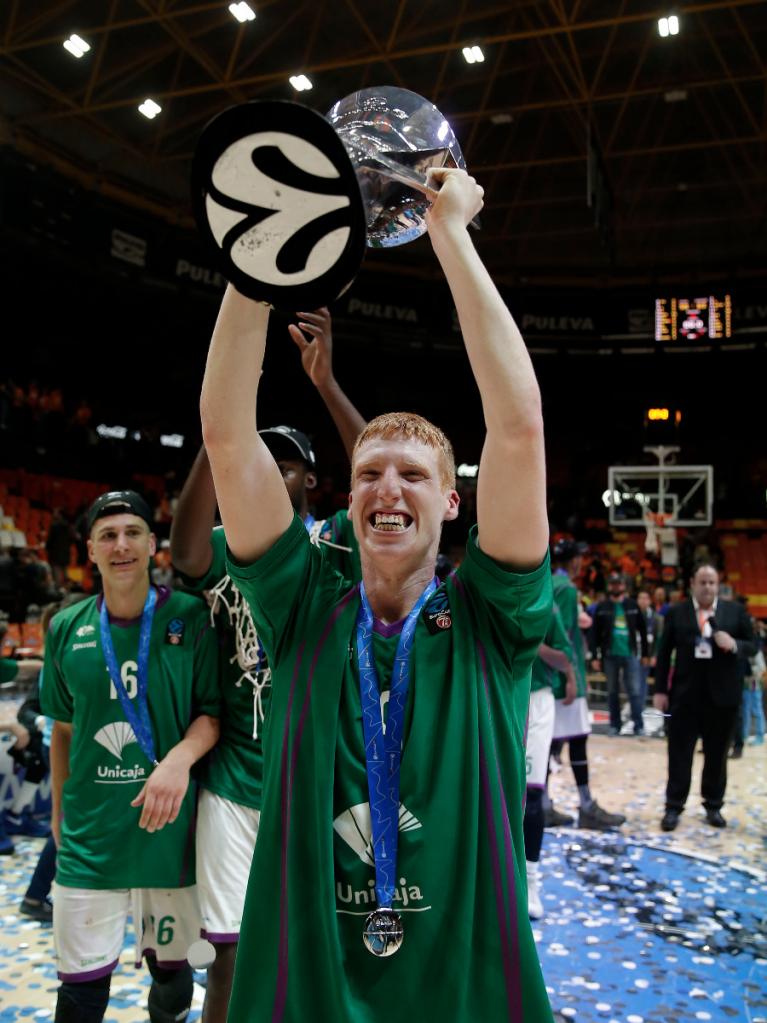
[
  {"x": 399, "y": 501},
  {"x": 121, "y": 546}
]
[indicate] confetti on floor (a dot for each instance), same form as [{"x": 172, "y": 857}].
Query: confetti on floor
[{"x": 640, "y": 927}]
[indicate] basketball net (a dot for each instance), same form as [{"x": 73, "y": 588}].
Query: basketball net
[{"x": 654, "y": 522}]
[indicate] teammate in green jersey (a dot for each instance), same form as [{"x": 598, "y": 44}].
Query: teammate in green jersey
[
  {"x": 231, "y": 782},
  {"x": 458, "y": 888},
  {"x": 571, "y": 722},
  {"x": 131, "y": 683},
  {"x": 553, "y": 678}
]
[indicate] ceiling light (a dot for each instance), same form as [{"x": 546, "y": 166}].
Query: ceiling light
[
  {"x": 76, "y": 46},
  {"x": 675, "y": 95},
  {"x": 300, "y": 83},
  {"x": 501, "y": 118},
  {"x": 243, "y": 12},
  {"x": 150, "y": 109},
  {"x": 473, "y": 54},
  {"x": 668, "y": 26}
]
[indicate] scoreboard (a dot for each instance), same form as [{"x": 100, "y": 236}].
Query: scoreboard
[{"x": 693, "y": 319}]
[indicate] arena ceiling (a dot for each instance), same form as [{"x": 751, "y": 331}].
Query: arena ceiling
[{"x": 669, "y": 133}]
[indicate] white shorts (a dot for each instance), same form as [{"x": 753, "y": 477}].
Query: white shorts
[
  {"x": 226, "y": 838},
  {"x": 89, "y": 927},
  {"x": 572, "y": 721},
  {"x": 540, "y": 729}
]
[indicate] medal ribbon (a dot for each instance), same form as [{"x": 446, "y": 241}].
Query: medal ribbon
[
  {"x": 136, "y": 714},
  {"x": 383, "y": 748}
]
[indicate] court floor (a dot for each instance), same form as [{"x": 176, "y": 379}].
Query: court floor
[{"x": 640, "y": 927}]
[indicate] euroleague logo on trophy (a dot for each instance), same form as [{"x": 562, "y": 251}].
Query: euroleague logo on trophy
[
  {"x": 278, "y": 200},
  {"x": 286, "y": 199}
]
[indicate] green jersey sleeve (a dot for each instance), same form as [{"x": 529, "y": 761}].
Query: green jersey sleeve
[
  {"x": 292, "y": 571},
  {"x": 9, "y": 669},
  {"x": 55, "y": 697},
  {"x": 217, "y": 569},
  {"x": 520, "y": 602}
]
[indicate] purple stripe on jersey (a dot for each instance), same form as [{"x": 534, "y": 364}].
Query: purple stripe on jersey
[
  {"x": 282, "y": 968},
  {"x": 82, "y": 978},
  {"x": 387, "y": 631},
  {"x": 282, "y": 953},
  {"x": 200, "y": 634},
  {"x": 535, "y": 785},
  {"x": 515, "y": 992},
  {"x": 221, "y": 939}
]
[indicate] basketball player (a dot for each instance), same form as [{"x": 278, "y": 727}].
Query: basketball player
[
  {"x": 571, "y": 721},
  {"x": 433, "y": 875},
  {"x": 230, "y": 801},
  {"x": 553, "y": 678},
  {"x": 131, "y": 681}
]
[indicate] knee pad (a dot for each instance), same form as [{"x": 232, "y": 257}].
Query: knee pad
[
  {"x": 83, "y": 1003},
  {"x": 170, "y": 996}
]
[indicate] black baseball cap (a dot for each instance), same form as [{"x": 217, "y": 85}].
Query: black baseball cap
[
  {"x": 120, "y": 502},
  {"x": 566, "y": 550},
  {"x": 284, "y": 441},
  {"x": 615, "y": 577}
]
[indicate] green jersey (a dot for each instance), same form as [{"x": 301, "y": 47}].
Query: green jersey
[
  {"x": 102, "y": 845},
  {"x": 566, "y": 597},
  {"x": 9, "y": 669},
  {"x": 339, "y": 545},
  {"x": 234, "y": 768},
  {"x": 543, "y": 674},
  {"x": 461, "y": 860},
  {"x": 619, "y": 642}
]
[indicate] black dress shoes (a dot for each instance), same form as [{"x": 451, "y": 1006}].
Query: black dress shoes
[
  {"x": 670, "y": 820},
  {"x": 715, "y": 819}
]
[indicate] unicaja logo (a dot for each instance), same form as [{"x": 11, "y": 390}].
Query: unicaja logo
[
  {"x": 354, "y": 827},
  {"x": 115, "y": 737},
  {"x": 86, "y": 630}
]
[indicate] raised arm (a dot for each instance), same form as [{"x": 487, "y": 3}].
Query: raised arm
[
  {"x": 254, "y": 504},
  {"x": 317, "y": 360},
  {"x": 511, "y": 488},
  {"x": 190, "y": 548}
]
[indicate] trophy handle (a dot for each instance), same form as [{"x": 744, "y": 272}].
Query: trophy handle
[{"x": 395, "y": 171}]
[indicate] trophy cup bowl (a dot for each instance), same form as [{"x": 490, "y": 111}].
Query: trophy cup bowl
[
  {"x": 286, "y": 200},
  {"x": 394, "y": 137}
]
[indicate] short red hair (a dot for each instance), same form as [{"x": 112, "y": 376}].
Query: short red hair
[{"x": 410, "y": 426}]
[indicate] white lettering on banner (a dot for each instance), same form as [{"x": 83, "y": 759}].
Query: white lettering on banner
[
  {"x": 200, "y": 274},
  {"x": 376, "y": 311},
  {"x": 128, "y": 247},
  {"x": 564, "y": 323}
]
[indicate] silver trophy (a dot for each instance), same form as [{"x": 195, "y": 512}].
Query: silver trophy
[
  {"x": 286, "y": 199},
  {"x": 393, "y": 138}
]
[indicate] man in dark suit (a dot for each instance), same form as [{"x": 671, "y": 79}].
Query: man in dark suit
[{"x": 702, "y": 700}]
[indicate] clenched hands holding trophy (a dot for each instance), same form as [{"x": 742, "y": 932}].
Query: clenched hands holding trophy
[{"x": 288, "y": 199}]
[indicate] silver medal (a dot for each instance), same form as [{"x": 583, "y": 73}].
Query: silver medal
[{"x": 383, "y": 933}]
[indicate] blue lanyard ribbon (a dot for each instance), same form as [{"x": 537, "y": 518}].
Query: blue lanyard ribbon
[
  {"x": 136, "y": 714},
  {"x": 383, "y": 748}
]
